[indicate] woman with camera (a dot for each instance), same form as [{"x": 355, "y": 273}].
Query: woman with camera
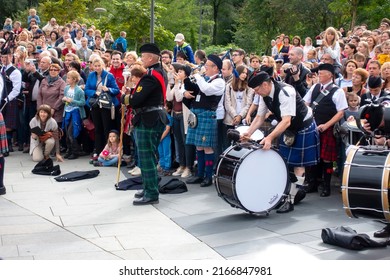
[{"x": 101, "y": 83}]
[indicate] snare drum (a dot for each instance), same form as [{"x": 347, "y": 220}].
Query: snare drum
[
  {"x": 256, "y": 136},
  {"x": 365, "y": 183},
  {"x": 252, "y": 179}
]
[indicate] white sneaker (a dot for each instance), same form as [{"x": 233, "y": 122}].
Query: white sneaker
[
  {"x": 178, "y": 171},
  {"x": 186, "y": 173},
  {"x": 136, "y": 171}
]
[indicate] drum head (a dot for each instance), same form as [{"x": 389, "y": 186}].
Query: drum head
[
  {"x": 261, "y": 180},
  {"x": 256, "y": 136}
]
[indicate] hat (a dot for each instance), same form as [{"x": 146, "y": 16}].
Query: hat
[
  {"x": 216, "y": 60},
  {"x": 258, "y": 78},
  {"x": 374, "y": 82},
  {"x": 5, "y": 51},
  {"x": 39, "y": 31},
  {"x": 269, "y": 70},
  {"x": 326, "y": 66},
  {"x": 149, "y": 48},
  {"x": 179, "y": 37},
  {"x": 2, "y": 40},
  {"x": 279, "y": 59}
]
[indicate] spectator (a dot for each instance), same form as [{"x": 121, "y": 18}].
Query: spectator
[
  {"x": 120, "y": 44},
  {"x": 182, "y": 46}
]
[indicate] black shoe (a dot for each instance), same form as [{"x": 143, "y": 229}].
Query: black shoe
[
  {"x": 10, "y": 149},
  {"x": 67, "y": 155},
  {"x": 6, "y": 154},
  {"x": 194, "y": 180},
  {"x": 63, "y": 150},
  {"x": 325, "y": 193},
  {"x": 73, "y": 156},
  {"x": 286, "y": 207},
  {"x": 2, "y": 190},
  {"x": 206, "y": 182},
  {"x": 383, "y": 233},
  {"x": 139, "y": 194},
  {"x": 301, "y": 194},
  {"x": 144, "y": 201}
]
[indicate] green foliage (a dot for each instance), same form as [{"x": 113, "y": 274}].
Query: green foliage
[
  {"x": 11, "y": 8},
  {"x": 63, "y": 10}
]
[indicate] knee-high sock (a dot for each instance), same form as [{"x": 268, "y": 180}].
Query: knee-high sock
[
  {"x": 209, "y": 161},
  {"x": 327, "y": 171},
  {"x": 201, "y": 162},
  {"x": 2, "y": 161}
]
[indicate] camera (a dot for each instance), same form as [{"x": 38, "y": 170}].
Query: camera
[
  {"x": 310, "y": 75},
  {"x": 319, "y": 42},
  {"x": 30, "y": 61}
]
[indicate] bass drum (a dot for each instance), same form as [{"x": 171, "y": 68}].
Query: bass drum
[
  {"x": 252, "y": 179},
  {"x": 365, "y": 183}
]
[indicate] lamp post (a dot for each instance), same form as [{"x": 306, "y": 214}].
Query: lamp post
[
  {"x": 152, "y": 21},
  {"x": 100, "y": 11}
]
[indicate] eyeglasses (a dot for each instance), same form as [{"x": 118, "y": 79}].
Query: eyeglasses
[
  {"x": 165, "y": 57},
  {"x": 54, "y": 70},
  {"x": 90, "y": 62},
  {"x": 279, "y": 62},
  {"x": 209, "y": 65}
]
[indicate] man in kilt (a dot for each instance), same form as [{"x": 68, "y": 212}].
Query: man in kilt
[
  {"x": 12, "y": 79},
  {"x": 328, "y": 102},
  {"x": 149, "y": 121},
  {"x": 294, "y": 119},
  {"x": 204, "y": 104}
]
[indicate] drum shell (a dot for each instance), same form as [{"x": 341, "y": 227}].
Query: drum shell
[
  {"x": 365, "y": 184},
  {"x": 240, "y": 179}
]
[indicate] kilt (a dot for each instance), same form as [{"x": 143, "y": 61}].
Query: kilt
[
  {"x": 205, "y": 133},
  {"x": 306, "y": 149},
  {"x": 328, "y": 145},
  {"x": 147, "y": 142},
  {"x": 10, "y": 114}
]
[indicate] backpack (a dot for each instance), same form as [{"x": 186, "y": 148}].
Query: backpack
[{"x": 45, "y": 167}]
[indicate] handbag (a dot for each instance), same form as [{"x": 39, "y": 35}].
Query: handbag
[
  {"x": 105, "y": 100},
  {"x": 289, "y": 138}
]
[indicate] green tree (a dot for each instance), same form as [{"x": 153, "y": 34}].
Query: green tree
[
  {"x": 63, "y": 10},
  {"x": 11, "y": 8}
]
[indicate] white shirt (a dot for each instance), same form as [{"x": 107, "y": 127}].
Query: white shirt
[
  {"x": 16, "y": 78},
  {"x": 287, "y": 103},
  {"x": 338, "y": 97}
]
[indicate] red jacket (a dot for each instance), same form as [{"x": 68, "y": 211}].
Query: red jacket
[{"x": 118, "y": 75}]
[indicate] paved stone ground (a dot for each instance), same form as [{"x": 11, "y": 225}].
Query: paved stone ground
[{"x": 42, "y": 219}]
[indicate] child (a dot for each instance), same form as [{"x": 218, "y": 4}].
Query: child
[
  {"x": 164, "y": 148},
  {"x": 74, "y": 99},
  {"x": 33, "y": 15},
  {"x": 111, "y": 152},
  {"x": 350, "y": 116},
  {"x": 385, "y": 55},
  {"x": 7, "y": 24}
]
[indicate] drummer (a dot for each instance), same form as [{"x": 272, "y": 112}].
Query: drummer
[{"x": 295, "y": 120}]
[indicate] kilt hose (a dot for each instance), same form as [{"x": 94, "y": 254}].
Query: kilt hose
[
  {"x": 147, "y": 140},
  {"x": 328, "y": 145}
]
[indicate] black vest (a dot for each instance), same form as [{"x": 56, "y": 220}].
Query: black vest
[
  {"x": 8, "y": 85},
  {"x": 301, "y": 108},
  {"x": 326, "y": 108},
  {"x": 207, "y": 102}
]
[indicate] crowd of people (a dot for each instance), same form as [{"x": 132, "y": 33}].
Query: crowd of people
[{"x": 180, "y": 103}]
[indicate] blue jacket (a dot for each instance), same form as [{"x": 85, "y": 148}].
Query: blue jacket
[
  {"x": 90, "y": 86},
  {"x": 120, "y": 40},
  {"x": 186, "y": 48}
]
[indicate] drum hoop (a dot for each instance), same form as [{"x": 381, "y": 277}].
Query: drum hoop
[
  {"x": 385, "y": 189},
  {"x": 345, "y": 181}
]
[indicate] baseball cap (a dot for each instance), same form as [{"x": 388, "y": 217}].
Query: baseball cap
[{"x": 179, "y": 37}]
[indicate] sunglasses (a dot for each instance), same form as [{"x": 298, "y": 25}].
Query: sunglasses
[{"x": 278, "y": 62}]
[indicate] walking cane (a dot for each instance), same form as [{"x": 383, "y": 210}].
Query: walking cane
[{"x": 120, "y": 145}]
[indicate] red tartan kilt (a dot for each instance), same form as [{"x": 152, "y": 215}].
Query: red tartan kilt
[{"x": 328, "y": 145}]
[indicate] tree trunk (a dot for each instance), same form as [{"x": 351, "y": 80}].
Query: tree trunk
[
  {"x": 354, "y": 4},
  {"x": 216, "y": 4}
]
